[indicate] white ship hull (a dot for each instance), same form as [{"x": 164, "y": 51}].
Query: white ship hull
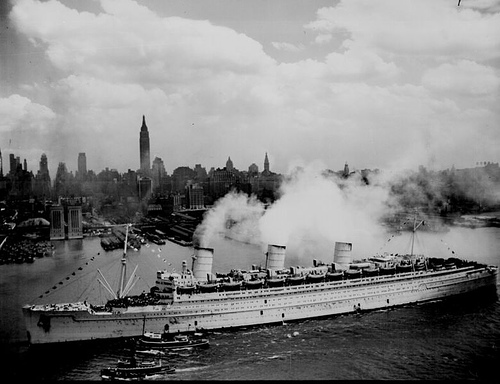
[{"x": 219, "y": 310}]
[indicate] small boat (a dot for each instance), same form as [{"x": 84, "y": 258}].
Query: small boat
[
  {"x": 166, "y": 340},
  {"x": 369, "y": 272},
  {"x": 315, "y": 278},
  {"x": 186, "y": 289},
  {"x": 402, "y": 268},
  {"x": 231, "y": 286},
  {"x": 295, "y": 280},
  {"x": 353, "y": 273},
  {"x": 253, "y": 284},
  {"x": 275, "y": 282},
  {"x": 133, "y": 370},
  {"x": 334, "y": 276},
  {"x": 208, "y": 287}
]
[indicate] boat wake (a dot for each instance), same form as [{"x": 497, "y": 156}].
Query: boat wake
[{"x": 191, "y": 369}]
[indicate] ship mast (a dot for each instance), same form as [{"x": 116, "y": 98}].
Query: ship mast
[
  {"x": 124, "y": 265},
  {"x": 415, "y": 227}
]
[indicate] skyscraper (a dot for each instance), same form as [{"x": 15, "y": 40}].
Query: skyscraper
[
  {"x": 82, "y": 165},
  {"x": 44, "y": 166},
  {"x": 144, "y": 147}
]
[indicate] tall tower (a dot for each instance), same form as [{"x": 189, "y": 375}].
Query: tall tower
[
  {"x": 266, "y": 164},
  {"x": 346, "y": 170},
  {"x": 82, "y": 164},
  {"x": 144, "y": 146},
  {"x": 44, "y": 167},
  {"x": 229, "y": 164},
  {"x": 1, "y": 164}
]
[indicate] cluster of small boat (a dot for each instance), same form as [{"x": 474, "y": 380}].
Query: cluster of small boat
[
  {"x": 157, "y": 345},
  {"x": 23, "y": 251}
]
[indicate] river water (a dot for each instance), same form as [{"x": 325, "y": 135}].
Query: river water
[{"x": 455, "y": 339}]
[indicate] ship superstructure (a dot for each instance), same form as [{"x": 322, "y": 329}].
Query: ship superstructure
[{"x": 195, "y": 299}]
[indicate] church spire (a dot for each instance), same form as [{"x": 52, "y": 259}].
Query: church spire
[{"x": 266, "y": 164}]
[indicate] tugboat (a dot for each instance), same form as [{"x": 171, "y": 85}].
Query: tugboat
[
  {"x": 133, "y": 370},
  {"x": 167, "y": 340}
]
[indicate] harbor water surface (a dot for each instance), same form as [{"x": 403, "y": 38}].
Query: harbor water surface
[{"x": 455, "y": 339}]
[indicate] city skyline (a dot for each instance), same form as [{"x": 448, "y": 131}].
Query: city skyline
[{"x": 390, "y": 86}]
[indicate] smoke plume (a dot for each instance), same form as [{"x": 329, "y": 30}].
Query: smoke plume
[{"x": 314, "y": 211}]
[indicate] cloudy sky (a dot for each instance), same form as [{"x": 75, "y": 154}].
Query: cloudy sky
[{"x": 379, "y": 84}]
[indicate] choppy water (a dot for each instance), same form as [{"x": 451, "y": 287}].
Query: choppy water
[{"x": 457, "y": 339}]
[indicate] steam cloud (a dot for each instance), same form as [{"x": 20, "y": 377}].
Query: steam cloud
[{"x": 314, "y": 211}]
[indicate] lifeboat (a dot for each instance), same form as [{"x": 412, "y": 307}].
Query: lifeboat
[
  {"x": 369, "y": 272},
  {"x": 231, "y": 286},
  {"x": 387, "y": 270},
  {"x": 295, "y": 280},
  {"x": 276, "y": 282},
  {"x": 334, "y": 276},
  {"x": 313, "y": 278},
  {"x": 402, "y": 268},
  {"x": 185, "y": 289},
  {"x": 353, "y": 273},
  {"x": 450, "y": 265},
  {"x": 208, "y": 287},
  {"x": 253, "y": 284},
  {"x": 419, "y": 267}
]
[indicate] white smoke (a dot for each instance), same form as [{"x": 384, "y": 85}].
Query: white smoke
[
  {"x": 314, "y": 211},
  {"x": 235, "y": 216}
]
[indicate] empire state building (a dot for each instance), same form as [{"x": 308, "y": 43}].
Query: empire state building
[{"x": 144, "y": 148}]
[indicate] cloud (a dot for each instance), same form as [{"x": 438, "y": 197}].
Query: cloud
[
  {"x": 129, "y": 42},
  {"x": 396, "y": 81},
  {"x": 464, "y": 77},
  {"x": 323, "y": 38},
  {"x": 26, "y": 128},
  {"x": 359, "y": 63},
  {"x": 288, "y": 47},
  {"x": 19, "y": 112},
  {"x": 404, "y": 27}
]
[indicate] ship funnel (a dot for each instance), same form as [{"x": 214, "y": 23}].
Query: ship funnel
[
  {"x": 342, "y": 255},
  {"x": 202, "y": 262},
  {"x": 275, "y": 257}
]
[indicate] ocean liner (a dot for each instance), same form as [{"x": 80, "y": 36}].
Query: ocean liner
[{"x": 194, "y": 299}]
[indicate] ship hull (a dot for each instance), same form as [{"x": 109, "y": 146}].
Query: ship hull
[{"x": 223, "y": 310}]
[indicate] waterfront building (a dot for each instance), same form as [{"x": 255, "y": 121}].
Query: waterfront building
[
  {"x": 66, "y": 219},
  {"x": 57, "y": 223},
  {"x": 75, "y": 225},
  {"x": 194, "y": 196}
]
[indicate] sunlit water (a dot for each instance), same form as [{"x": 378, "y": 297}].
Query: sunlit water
[{"x": 457, "y": 339}]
